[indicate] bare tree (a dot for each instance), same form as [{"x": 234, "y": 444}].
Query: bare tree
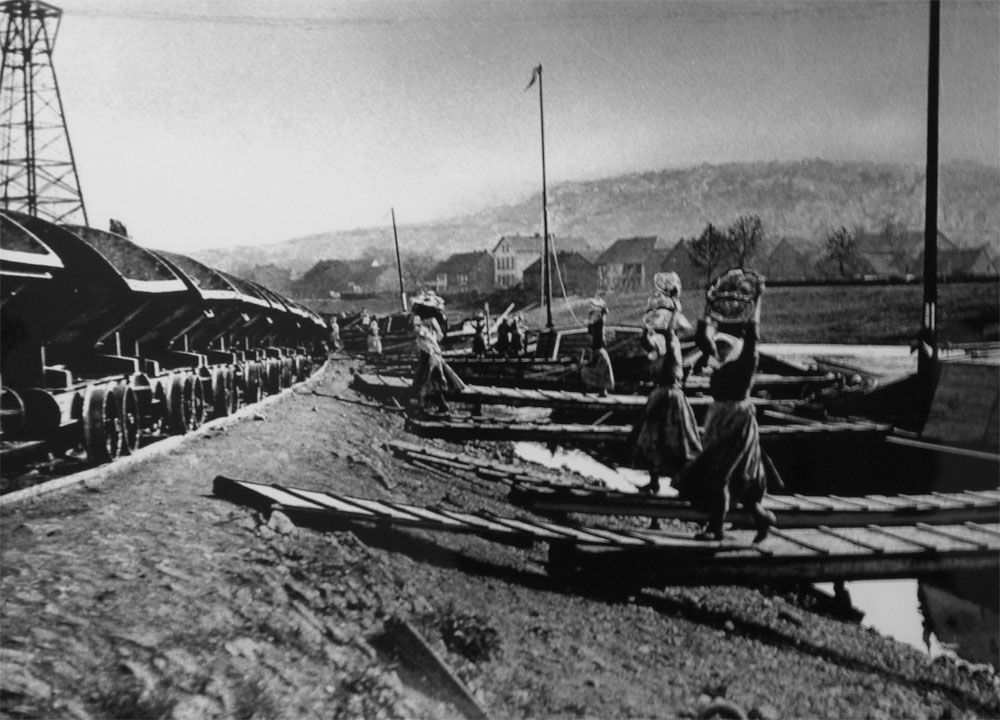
[
  {"x": 841, "y": 247},
  {"x": 745, "y": 238},
  {"x": 415, "y": 270},
  {"x": 708, "y": 251}
]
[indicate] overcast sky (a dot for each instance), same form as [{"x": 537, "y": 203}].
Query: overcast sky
[{"x": 215, "y": 123}]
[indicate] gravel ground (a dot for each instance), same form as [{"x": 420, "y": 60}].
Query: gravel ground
[{"x": 139, "y": 594}]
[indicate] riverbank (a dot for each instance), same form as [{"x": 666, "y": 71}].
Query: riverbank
[{"x": 138, "y": 594}]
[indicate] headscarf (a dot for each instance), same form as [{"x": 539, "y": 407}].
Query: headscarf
[
  {"x": 668, "y": 283},
  {"x": 596, "y": 309}
]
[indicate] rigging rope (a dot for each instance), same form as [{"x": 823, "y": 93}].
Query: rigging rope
[{"x": 555, "y": 260}]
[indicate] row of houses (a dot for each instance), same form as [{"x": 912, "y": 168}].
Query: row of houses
[{"x": 629, "y": 264}]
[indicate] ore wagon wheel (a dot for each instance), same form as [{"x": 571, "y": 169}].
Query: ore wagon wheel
[
  {"x": 234, "y": 381},
  {"x": 158, "y": 415},
  {"x": 11, "y": 412},
  {"x": 176, "y": 407},
  {"x": 128, "y": 407},
  {"x": 251, "y": 383},
  {"x": 194, "y": 402},
  {"x": 273, "y": 376},
  {"x": 220, "y": 392},
  {"x": 102, "y": 425}
]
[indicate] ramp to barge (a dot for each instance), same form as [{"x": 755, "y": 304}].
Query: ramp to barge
[
  {"x": 539, "y": 494},
  {"x": 651, "y": 557}
]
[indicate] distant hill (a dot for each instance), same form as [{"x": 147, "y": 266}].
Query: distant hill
[{"x": 799, "y": 200}]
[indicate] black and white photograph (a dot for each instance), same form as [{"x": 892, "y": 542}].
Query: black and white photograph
[{"x": 527, "y": 359}]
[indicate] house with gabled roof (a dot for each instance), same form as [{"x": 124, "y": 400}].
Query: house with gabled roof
[
  {"x": 981, "y": 261},
  {"x": 897, "y": 254},
  {"x": 514, "y": 253},
  {"x": 790, "y": 261},
  {"x": 511, "y": 255},
  {"x": 462, "y": 273},
  {"x": 678, "y": 260},
  {"x": 629, "y": 264},
  {"x": 572, "y": 271}
]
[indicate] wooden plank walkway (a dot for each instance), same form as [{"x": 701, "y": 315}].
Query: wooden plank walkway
[
  {"x": 540, "y": 494},
  {"x": 536, "y": 374},
  {"x": 515, "y": 430},
  {"x": 383, "y": 386},
  {"x": 792, "y": 511},
  {"x": 649, "y": 557}
]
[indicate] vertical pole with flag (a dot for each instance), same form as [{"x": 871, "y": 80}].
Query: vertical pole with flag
[{"x": 536, "y": 75}]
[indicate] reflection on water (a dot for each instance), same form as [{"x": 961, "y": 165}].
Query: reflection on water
[
  {"x": 622, "y": 479},
  {"x": 931, "y": 615},
  {"x": 955, "y": 615}
]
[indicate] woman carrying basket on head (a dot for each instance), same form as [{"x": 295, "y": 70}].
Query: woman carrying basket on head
[
  {"x": 432, "y": 378},
  {"x": 667, "y": 436},
  {"x": 731, "y": 469}
]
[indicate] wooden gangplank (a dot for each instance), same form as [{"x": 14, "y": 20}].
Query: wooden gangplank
[
  {"x": 534, "y": 374},
  {"x": 792, "y": 511},
  {"x": 388, "y": 387},
  {"x": 516, "y": 430},
  {"x": 540, "y": 494},
  {"x": 652, "y": 557}
]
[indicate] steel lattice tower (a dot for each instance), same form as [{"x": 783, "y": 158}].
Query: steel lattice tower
[{"x": 37, "y": 169}]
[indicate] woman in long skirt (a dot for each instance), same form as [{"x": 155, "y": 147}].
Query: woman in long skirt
[
  {"x": 597, "y": 374},
  {"x": 731, "y": 469},
  {"x": 433, "y": 378},
  {"x": 667, "y": 437}
]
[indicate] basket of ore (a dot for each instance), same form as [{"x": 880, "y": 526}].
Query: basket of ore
[{"x": 733, "y": 295}]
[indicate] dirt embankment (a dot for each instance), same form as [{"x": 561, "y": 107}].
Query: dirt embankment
[{"x": 144, "y": 596}]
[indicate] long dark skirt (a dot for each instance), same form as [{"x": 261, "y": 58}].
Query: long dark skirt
[
  {"x": 433, "y": 378},
  {"x": 731, "y": 460},
  {"x": 668, "y": 437}
]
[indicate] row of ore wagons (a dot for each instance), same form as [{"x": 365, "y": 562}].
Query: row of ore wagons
[{"x": 106, "y": 344}]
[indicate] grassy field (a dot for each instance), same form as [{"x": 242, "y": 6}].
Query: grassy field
[{"x": 882, "y": 314}]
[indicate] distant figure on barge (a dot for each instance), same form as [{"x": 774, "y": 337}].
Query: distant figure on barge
[
  {"x": 503, "y": 337},
  {"x": 732, "y": 468},
  {"x": 480, "y": 345},
  {"x": 597, "y": 374},
  {"x": 335, "y": 341},
  {"x": 517, "y": 338},
  {"x": 374, "y": 340}
]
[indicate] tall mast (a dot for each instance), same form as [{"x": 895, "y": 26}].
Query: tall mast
[
  {"x": 546, "y": 266},
  {"x": 927, "y": 352},
  {"x": 399, "y": 265},
  {"x": 546, "y": 272}
]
